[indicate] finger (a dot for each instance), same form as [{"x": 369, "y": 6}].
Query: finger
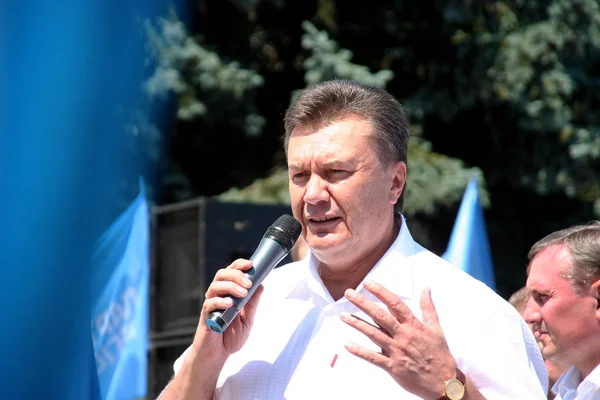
[
  {"x": 373, "y": 332},
  {"x": 380, "y": 316},
  {"x": 241, "y": 265},
  {"x": 393, "y": 302},
  {"x": 430, "y": 316},
  {"x": 217, "y": 303},
  {"x": 225, "y": 288},
  {"x": 368, "y": 355},
  {"x": 235, "y": 275}
]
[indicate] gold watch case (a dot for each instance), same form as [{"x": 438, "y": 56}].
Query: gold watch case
[{"x": 455, "y": 389}]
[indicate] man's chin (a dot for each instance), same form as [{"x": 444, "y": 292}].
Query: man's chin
[{"x": 548, "y": 352}]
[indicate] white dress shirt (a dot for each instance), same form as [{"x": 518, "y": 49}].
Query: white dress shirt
[
  {"x": 295, "y": 350},
  {"x": 570, "y": 386}
]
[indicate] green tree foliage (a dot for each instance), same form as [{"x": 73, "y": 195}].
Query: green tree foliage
[
  {"x": 327, "y": 61},
  {"x": 206, "y": 86},
  {"x": 215, "y": 104},
  {"x": 547, "y": 72},
  {"x": 522, "y": 74}
]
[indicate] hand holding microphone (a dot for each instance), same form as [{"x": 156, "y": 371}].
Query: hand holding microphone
[{"x": 276, "y": 243}]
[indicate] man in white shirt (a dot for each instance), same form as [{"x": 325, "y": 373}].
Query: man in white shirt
[
  {"x": 564, "y": 307},
  {"x": 356, "y": 317},
  {"x": 554, "y": 365}
]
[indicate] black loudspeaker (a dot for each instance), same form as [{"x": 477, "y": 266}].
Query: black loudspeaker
[{"x": 190, "y": 241}]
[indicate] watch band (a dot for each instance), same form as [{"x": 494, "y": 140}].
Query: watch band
[{"x": 461, "y": 377}]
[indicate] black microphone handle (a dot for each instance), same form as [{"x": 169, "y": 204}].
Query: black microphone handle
[{"x": 268, "y": 254}]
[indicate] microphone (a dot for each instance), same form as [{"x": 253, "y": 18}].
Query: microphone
[{"x": 275, "y": 244}]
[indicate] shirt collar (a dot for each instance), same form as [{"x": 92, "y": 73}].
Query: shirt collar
[
  {"x": 570, "y": 383},
  {"x": 396, "y": 260},
  {"x": 567, "y": 383}
]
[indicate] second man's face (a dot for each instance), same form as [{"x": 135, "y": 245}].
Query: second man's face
[{"x": 563, "y": 321}]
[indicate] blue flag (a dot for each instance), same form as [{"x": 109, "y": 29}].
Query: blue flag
[
  {"x": 469, "y": 248},
  {"x": 120, "y": 284}
]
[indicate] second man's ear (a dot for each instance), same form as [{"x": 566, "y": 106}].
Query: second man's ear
[{"x": 595, "y": 292}]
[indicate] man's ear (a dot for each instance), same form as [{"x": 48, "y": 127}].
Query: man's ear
[
  {"x": 595, "y": 292},
  {"x": 398, "y": 181}
]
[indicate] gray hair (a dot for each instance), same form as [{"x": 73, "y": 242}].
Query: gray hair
[
  {"x": 583, "y": 244},
  {"x": 327, "y": 102}
]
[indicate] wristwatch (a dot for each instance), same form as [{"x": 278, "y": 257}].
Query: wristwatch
[{"x": 454, "y": 388}]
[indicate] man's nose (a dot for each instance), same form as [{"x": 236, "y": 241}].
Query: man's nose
[
  {"x": 532, "y": 314},
  {"x": 316, "y": 190}
]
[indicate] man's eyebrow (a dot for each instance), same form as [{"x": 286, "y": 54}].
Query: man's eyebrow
[
  {"x": 325, "y": 164},
  {"x": 336, "y": 162},
  {"x": 536, "y": 290}
]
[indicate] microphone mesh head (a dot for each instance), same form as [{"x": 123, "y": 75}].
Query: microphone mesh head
[{"x": 285, "y": 230}]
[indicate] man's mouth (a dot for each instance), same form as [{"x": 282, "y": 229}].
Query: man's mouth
[
  {"x": 322, "y": 219},
  {"x": 540, "y": 334}
]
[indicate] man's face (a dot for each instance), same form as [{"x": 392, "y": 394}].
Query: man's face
[
  {"x": 564, "y": 322},
  {"x": 339, "y": 190}
]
